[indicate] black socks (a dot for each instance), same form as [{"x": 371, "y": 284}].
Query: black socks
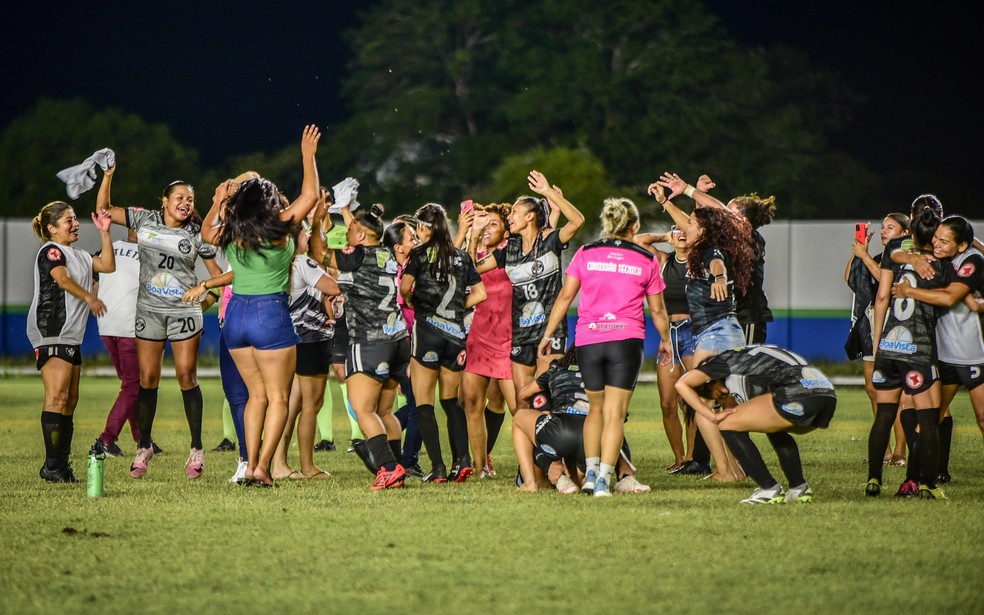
[
  {"x": 51, "y": 423},
  {"x": 427, "y": 423},
  {"x": 701, "y": 454},
  {"x": 789, "y": 457},
  {"x": 193, "y": 412},
  {"x": 457, "y": 429},
  {"x": 881, "y": 431},
  {"x": 146, "y": 410},
  {"x": 380, "y": 452},
  {"x": 946, "y": 437},
  {"x": 929, "y": 445},
  {"x": 749, "y": 457},
  {"x": 493, "y": 424}
]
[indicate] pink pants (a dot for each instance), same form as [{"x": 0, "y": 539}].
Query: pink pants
[{"x": 123, "y": 351}]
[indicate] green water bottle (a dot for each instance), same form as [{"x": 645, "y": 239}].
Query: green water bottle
[{"x": 97, "y": 465}]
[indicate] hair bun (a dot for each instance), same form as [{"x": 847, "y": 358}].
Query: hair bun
[{"x": 376, "y": 211}]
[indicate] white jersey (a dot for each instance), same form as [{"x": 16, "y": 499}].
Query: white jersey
[
  {"x": 56, "y": 316},
  {"x": 306, "y": 310},
  {"x": 118, "y": 290},
  {"x": 959, "y": 333}
]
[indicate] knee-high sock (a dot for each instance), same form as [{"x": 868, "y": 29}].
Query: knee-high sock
[
  {"x": 946, "y": 437},
  {"x": 381, "y": 452},
  {"x": 789, "y": 457},
  {"x": 395, "y": 448},
  {"x": 67, "y": 431},
  {"x": 701, "y": 454},
  {"x": 427, "y": 423},
  {"x": 929, "y": 444},
  {"x": 457, "y": 428},
  {"x": 193, "y": 412},
  {"x": 146, "y": 410},
  {"x": 493, "y": 423},
  {"x": 909, "y": 423},
  {"x": 749, "y": 457},
  {"x": 362, "y": 452},
  {"x": 51, "y": 423},
  {"x": 228, "y": 427},
  {"x": 881, "y": 431}
]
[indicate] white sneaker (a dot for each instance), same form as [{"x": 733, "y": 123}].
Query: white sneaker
[
  {"x": 565, "y": 485},
  {"x": 799, "y": 495},
  {"x": 629, "y": 484},
  {"x": 240, "y": 474},
  {"x": 601, "y": 488},
  {"x": 772, "y": 495}
]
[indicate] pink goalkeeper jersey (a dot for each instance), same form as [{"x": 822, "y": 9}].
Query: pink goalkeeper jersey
[{"x": 616, "y": 277}]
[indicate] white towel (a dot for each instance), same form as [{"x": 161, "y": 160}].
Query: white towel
[
  {"x": 345, "y": 192},
  {"x": 82, "y": 177}
]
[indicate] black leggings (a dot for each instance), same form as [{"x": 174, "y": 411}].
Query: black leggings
[{"x": 614, "y": 364}]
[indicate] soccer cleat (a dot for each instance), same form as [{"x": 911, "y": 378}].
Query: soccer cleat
[
  {"x": 566, "y": 486},
  {"x": 695, "y": 468},
  {"x": 908, "y": 489},
  {"x": 873, "y": 488},
  {"x": 157, "y": 450},
  {"x": 139, "y": 466},
  {"x": 352, "y": 443},
  {"x": 414, "y": 471},
  {"x": 799, "y": 495},
  {"x": 772, "y": 495},
  {"x": 629, "y": 484},
  {"x": 489, "y": 469},
  {"x": 930, "y": 493},
  {"x": 590, "y": 478},
  {"x": 461, "y": 471},
  {"x": 389, "y": 479},
  {"x": 438, "y": 475},
  {"x": 113, "y": 450},
  {"x": 195, "y": 466},
  {"x": 943, "y": 479},
  {"x": 58, "y": 475},
  {"x": 601, "y": 488},
  {"x": 240, "y": 474},
  {"x": 324, "y": 445},
  {"x": 225, "y": 446}
]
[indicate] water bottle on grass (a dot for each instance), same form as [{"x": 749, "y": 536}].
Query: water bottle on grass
[{"x": 97, "y": 466}]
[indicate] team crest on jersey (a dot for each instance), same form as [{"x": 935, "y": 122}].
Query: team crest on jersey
[
  {"x": 516, "y": 350},
  {"x": 966, "y": 270},
  {"x": 184, "y": 246},
  {"x": 538, "y": 267},
  {"x": 310, "y": 263},
  {"x": 54, "y": 254},
  {"x": 914, "y": 380},
  {"x": 461, "y": 358},
  {"x": 70, "y": 351},
  {"x": 348, "y": 250},
  {"x": 37, "y": 354},
  {"x": 139, "y": 324},
  {"x": 539, "y": 401},
  {"x": 899, "y": 340},
  {"x": 502, "y": 246}
]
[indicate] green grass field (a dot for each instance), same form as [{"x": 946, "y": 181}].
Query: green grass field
[{"x": 165, "y": 544}]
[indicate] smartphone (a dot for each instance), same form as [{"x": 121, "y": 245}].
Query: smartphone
[
  {"x": 467, "y": 206},
  {"x": 861, "y": 232}
]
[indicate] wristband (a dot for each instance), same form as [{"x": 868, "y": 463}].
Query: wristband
[
  {"x": 718, "y": 278},
  {"x": 689, "y": 191}
]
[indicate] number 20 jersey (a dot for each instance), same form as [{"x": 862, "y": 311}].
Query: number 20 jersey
[{"x": 367, "y": 278}]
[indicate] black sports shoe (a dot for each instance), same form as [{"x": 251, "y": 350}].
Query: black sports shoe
[
  {"x": 225, "y": 446},
  {"x": 157, "y": 450},
  {"x": 58, "y": 475},
  {"x": 437, "y": 475},
  {"x": 460, "y": 471},
  {"x": 694, "y": 467},
  {"x": 352, "y": 443},
  {"x": 324, "y": 445},
  {"x": 414, "y": 470},
  {"x": 112, "y": 450},
  {"x": 943, "y": 479}
]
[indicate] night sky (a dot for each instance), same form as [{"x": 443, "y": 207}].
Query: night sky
[{"x": 231, "y": 78}]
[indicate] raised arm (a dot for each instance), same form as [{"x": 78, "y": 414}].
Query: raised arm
[
  {"x": 860, "y": 250},
  {"x": 575, "y": 219},
  {"x": 212, "y": 224},
  {"x": 318, "y": 245},
  {"x": 310, "y": 185},
  {"x": 677, "y": 187},
  {"x": 103, "y": 203},
  {"x": 680, "y": 218},
  {"x": 646, "y": 240},
  {"x": 106, "y": 261}
]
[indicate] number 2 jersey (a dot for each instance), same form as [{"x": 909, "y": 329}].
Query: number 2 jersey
[
  {"x": 438, "y": 303},
  {"x": 367, "y": 278},
  {"x": 536, "y": 280},
  {"x": 758, "y": 370},
  {"x": 167, "y": 259},
  {"x": 909, "y": 332}
]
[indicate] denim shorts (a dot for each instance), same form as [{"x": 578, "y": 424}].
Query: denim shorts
[
  {"x": 260, "y": 321},
  {"x": 724, "y": 334},
  {"x": 682, "y": 340}
]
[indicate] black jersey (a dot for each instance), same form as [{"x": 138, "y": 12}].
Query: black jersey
[
  {"x": 909, "y": 332},
  {"x": 896, "y": 243},
  {"x": 562, "y": 390},
  {"x": 674, "y": 275},
  {"x": 536, "y": 279},
  {"x": 753, "y": 305},
  {"x": 758, "y": 370},
  {"x": 439, "y": 303},
  {"x": 705, "y": 311},
  {"x": 367, "y": 278}
]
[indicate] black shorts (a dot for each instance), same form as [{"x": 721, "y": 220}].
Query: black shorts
[
  {"x": 433, "y": 350},
  {"x": 65, "y": 352},
  {"x": 970, "y": 376},
  {"x": 891, "y": 374},
  {"x": 525, "y": 354},
  {"x": 314, "y": 358},
  {"x": 614, "y": 364},
  {"x": 340, "y": 342},
  {"x": 560, "y": 436},
  {"x": 807, "y": 410},
  {"x": 381, "y": 360}
]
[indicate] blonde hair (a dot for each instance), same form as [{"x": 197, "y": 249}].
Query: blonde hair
[
  {"x": 49, "y": 214},
  {"x": 618, "y": 217}
]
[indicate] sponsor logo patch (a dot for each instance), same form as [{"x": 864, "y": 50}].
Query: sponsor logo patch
[
  {"x": 914, "y": 380},
  {"x": 54, "y": 254},
  {"x": 966, "y": 270},
  {"x": 794, "y": 408},
  {"x": 877, "y": 377},
  {"x": 812, "y": 378},
  {"x": 898, "y": 340},
  {"x": 383, "y": 369},
  {"x": 532, "y": 314}
]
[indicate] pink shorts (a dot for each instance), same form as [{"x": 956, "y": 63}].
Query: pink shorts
[{"x": 486, "y": 360}]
